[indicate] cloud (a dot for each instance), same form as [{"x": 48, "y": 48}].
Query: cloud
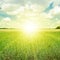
[
  {"x": 55, "y": 10},
  {"x": 9, "y": 7},
  {"x": 40, "y": 2},
  {"x": 17, "y": 11},
  {"x": 54, "y": 16},
  {"x": 14, "y": 14},
  {"x": 23, "y": 9},
  {"x": 7, "y": 19},
  {"x": 8, "y": 23}
]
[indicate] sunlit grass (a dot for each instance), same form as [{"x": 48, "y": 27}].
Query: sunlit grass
[{"x": 43, "y": 45}]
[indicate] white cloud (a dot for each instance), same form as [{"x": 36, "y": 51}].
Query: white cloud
[
  {"x": 47, "y": 15},
  {"x": 55, "y": 10},
  {"x": 17, "y": 11},
  {"x": 9, "y": 24},
  {"x": 55, "y": 24},
  {"x": 34, "y": 8},
  {"x": 7, "y": 19},
  {"x": 9, "y": 6},
  {"x": 26, "y": 12}
]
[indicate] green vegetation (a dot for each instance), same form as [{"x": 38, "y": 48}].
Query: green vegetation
[
  {"x": 15, "y": 45},
  {"x": 58, "y": 27}
]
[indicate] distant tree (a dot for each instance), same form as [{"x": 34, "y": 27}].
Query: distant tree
[{"x": 58, "y": 27}]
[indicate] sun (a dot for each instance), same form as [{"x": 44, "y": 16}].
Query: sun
[{"x": 29, "y": 27}]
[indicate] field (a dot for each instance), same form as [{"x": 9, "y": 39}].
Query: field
[{"x": 43, "y": 45}]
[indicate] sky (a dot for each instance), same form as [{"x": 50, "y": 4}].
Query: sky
[{"x": 13, "y": 13}]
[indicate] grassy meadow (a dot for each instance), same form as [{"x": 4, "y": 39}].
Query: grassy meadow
[{"x": 16, "y": 45}]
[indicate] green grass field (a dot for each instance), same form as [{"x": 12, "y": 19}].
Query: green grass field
[{"x": 43, "y": 45}]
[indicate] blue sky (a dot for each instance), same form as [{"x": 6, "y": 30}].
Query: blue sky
[{"x": 15, "y": 12}]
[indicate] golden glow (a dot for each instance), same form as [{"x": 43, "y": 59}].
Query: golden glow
[{"x": 29, "y": 27}]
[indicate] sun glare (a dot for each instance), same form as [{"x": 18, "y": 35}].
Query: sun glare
[{"x": 29, "y": 27}]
